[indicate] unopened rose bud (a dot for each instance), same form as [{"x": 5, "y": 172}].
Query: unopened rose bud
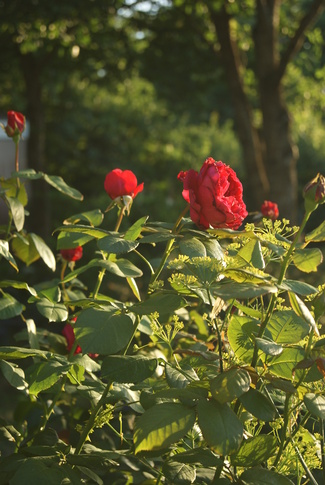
[
  {"x": 16, "y": 123},
  {"x": 314, "y": 192}
]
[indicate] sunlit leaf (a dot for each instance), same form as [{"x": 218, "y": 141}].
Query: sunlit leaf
[
  {"x": 94, "y": 218},
  {"x": 229, "y": 385},
  {"x": 5, "y": 253},
  {"x": 17, "y": 211},
  {"x": 9, "y": 307},
  {"x": 255, "y": 450},
  {"x": 286, "y": 327},
  {"x": 54, "y": 312},
  {"x": 14, "y": 374},
  {"x": 315, "y": 403},
  {"x": 307, "y": 259},
  {"x": 59, "y": 184},
  {"x": 262, "y": 476},
  {"x": 317, "y": 235},
  {"x": 162, "y": 425}
]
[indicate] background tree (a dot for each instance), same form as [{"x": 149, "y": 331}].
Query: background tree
[{"x": 253, "y": 42}]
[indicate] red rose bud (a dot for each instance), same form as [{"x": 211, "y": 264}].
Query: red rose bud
[
  {"x": 68, "y": 332},
  {"x": 215, "y": 195},
  {"x": 270, "y": 210},
  {"x": 72, "y": 254},
  {"x": 119, "y": 183},
  {"x": 314, "y": 192},
  {"x": 15, "y": 124}
]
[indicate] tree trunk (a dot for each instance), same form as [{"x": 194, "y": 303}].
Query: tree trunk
[
  {"x": 39, "y": 210},
  {"x": 257, "y": 181},
  {"x": 280, "y": 155}
]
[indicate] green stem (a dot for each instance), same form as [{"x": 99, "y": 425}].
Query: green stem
[
  {"x": 216, "y": 328},
  {"x": 135, "y": 328},
  {"x": 305, "y": 466},
  {"x": 283, "y": 270},
  {"x": 91, "y": 421},
  {"x": 283, "y": 430},
  {"x": 17, "y": 161},
  {"x": 323, "y": 447},
  {"x": 168, "y": 248}
]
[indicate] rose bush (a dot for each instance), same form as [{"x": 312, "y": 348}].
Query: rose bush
[{"x": 209, "y": 363}]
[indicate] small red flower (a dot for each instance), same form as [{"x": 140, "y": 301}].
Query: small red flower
[
  {"x": 215, "y": 195},
  {"x": 270, "y": 209},
  {"x": 72, "y": 254},
  {"x": 16, "y": 124},
  {"x": 119, "y": 183},
  {"x": 68, "y": 332}
]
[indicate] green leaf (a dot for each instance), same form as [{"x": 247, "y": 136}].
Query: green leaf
[
  {"x": 159, "y": 302},
  {"x": 241, "y": 334},
  {"x": 14, "y": 374},
  {"x": 315, "y": 403},
  {"x": 12, "y": 190},
  {"x": 268, "y": 346},
  {"x": 59, "y": 184},
  {"x": 135, "y": 230},
  {"x": 299, "y": 287},
  {"x": 134, "y": 287},
  {"x": 162, "y": 425},
  {"x": 116, "y": 245},
  {"x": 220, "y": 426},
  {"x": 286, "y": 327},
  {"x": 255, "y": 450},
  {"x": 94, "y": 232},
  {"x": 307, "y": 260},
  {"x": 17, "y": 211},
  {"x": 70, "y": 240},
  {"x": 128, "y": 368},
  {"x": 302, "y": 311},
  {"x": 54, "y": 312},
  {"x": 179, "y": 473},
  {"x": 317, "y": 235},
  {"x": 5, "y": 253},
  {"x": 122, "y": 267},
  {"x": 44, "y": 251},
  {"x": 9, "y": 307},
  {"x": 28, "y": 174},
  {"x": 258, "y": 405},
  {"x": 180, "y": 378},
  {"x": 229, "y": 290},
  {"x": 20, "y": 353},
  {"x": 192, "y": 247},
  {"x": 251, "y": 253},
  {"x": 157, "y": 237},
  {"x": 261, "y": 476},
  {"x": 198, "y": 456},
  {"x": 103, "y": 331},
  {"x": 45, "y": 375},
  {"x": 25, "y": 250},
  {"x": 19, "y": 285},
  {"x": 284, "y": 364},
  {"x": 94, "y": 218},
  {"x": 213, "y": 249},
  {"x": 229, "y": 385}
]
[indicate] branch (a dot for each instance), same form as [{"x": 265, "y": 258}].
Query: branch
[{"x": 297, "y": 40}]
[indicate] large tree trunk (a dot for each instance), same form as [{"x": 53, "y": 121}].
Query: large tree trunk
[
  {"x": 269, "y": 153},
  {"x": 280, "y": 155}
]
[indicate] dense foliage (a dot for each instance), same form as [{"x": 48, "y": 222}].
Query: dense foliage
[{"x": 207, "y": 367}]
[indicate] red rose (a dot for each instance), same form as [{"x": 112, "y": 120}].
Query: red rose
[
  {"x": 72, "y": 254},
  {"x": 15, "y": 124},
  {"x": 119, "y": 183},
  {"x": 215, "y": 195},
  {"x": 270, "y": 209}
]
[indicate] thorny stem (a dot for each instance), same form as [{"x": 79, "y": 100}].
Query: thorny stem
[{"x": 168, "y": 248}]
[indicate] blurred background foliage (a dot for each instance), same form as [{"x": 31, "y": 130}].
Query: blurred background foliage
[{"x": 136, "y": 85}]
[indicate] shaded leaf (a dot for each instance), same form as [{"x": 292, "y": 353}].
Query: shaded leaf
[
  {"x": 161, "y": 302},
  {"x": 9, "y": 307},
  {"x": 220, "y": 426},
  {"x": 14, "y": 374},
  {"x": 179, "y": 473},
  {"x": 251, "y": 253},
  {"x": 54, "y": 312},
  {"x": 5, "y": 253},
  {"x": 255, "y": 450},
  {"x": 116, "y": 245},
  {"x": 45, "y": 375},
  {"x": 17, "y": 211},
  {"x": 128, "y": 368},
  {"x": 261, "y": 476},
  {"x": 59, "y": 184},
  {"x": 258, "y": 405},
  {"x": 315, "y": 403},
  {"x": 229, "y": 385}
]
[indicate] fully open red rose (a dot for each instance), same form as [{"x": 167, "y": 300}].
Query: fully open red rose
[
  {"x": 72, "y": 254},
  {"x": 15, "y": 124},
  {"x": 215, "y": 195},
  {"x": 122, "y": 182},
  {"x": 270, "y": 209}
]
